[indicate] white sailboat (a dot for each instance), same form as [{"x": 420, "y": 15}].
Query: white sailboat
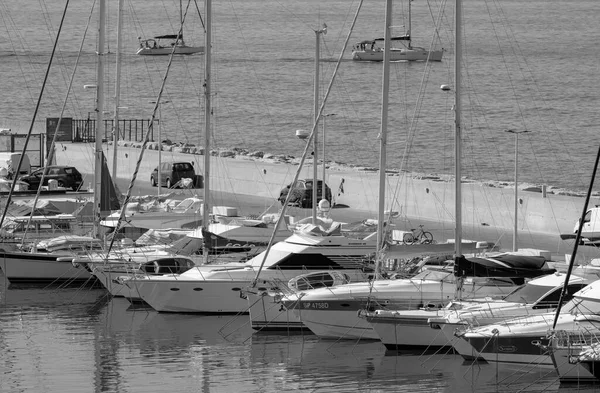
[
  {"x": 372, "y": 50},
  {"x": 170, "y": 43}
]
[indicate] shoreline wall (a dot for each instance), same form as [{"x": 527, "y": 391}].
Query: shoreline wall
[{"x": 428, "y": 198}]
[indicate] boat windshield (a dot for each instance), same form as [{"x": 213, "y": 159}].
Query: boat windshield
[{"x": 527, "y": 294}]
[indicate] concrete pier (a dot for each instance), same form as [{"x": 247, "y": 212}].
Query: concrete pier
[{"x": 425, "y": 198}]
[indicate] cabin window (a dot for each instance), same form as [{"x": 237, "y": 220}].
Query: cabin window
[
  {"x": 587, "y": 217},
  {"x": 318, "y": 262},
  {"x": 551, "y": 300}
]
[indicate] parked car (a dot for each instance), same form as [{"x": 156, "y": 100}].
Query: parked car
[
  {"x": 302, "y": 193},
  {"x": 173, "y": 172},
  {"x": 65, "y": 176}
]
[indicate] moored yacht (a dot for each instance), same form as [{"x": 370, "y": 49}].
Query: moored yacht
[
  {"x": 525, "y": 340},
  {"x": 48, "y": 261},
  {"x": 408, "y": 329},
  {"x": 218, "y": 289},
  {"x": 334, "y": 312},
  {"x": 266, "y": 311}
]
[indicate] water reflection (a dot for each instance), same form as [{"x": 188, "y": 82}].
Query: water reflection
[{"x": 79, "y": 340}]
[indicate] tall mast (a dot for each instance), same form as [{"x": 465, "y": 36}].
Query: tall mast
[
  {"x": 99, "y": 115},
  {"x": 457, "y": 129},
  {"x": 383, "y": 132},
  {"x": 117, "y": 85},
  {"x": 409, "y": 24},
  {"x": 181, "y": 21},
  {"x": 207, "y": 114},
  {"x": 316, "y": 128}
]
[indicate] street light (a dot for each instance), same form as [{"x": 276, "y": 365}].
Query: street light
[
  {"x": 515, "y": 244},
  {"x": 324, "y": 195},
  {"x": 318, "y": 33},
  {"x": 158, "y": 179}
]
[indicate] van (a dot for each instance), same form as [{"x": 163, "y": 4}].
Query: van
[
  {"x": 172, "y": 172},
  {"x": 10, "y": 161}
]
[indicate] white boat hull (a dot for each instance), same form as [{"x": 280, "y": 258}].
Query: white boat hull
[
  {"x": 215, "y": 296},
  {"x": 337, "y": 324},
  {"x": 165, "y": 51},
  {"x": 109, "y": 279},
  {"x": 268, "y": 314},
  {"x": 219, "y": 295},
  {"x": 337, "y": 316},
  {"x": 414, "y": 54},
  {"x": 409, "y": 331}
]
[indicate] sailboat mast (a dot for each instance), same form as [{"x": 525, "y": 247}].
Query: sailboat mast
[
  {"x": 383, "y": 132},
  {"x": 181, "y": 22},
  {"x": 457, "y": 129},
  {"x": 409, "y": 24},
  {"x": 99, "y": 114},
  {"x": 207, "y": 114},
  {"x": 316, "y": 128},
  {"x": 117, "y": 84}
]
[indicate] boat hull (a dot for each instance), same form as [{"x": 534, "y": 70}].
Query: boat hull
[
  {"x": 415, "y": 54},
  {"x": 110, "y": 280},
  {"x": 411, "y": 330},
  {"x": 570, "y": 372},
  {"x": 42, "y": 268},
  {"x": 268, "y": 314},
  {"x": 210, "y": 297},
  {"x": 222, "y": 292},
  {"x": 165, "y": 51},
  {"x": 336, "y": 315}
]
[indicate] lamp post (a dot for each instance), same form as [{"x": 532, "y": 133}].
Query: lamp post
[
  {"x": 318, "y": 34},
  {"x": 324, "y": 195},
  {"x": 158, "y": 178},
  {"x": 515, "y": 244}
]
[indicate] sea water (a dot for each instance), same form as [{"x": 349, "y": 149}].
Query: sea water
[
  {"x": 528, "y": 66},
  {"x": 79, "y": 340}
]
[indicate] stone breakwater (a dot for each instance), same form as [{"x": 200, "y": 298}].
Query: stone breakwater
[{"x": 413, "y": 195}]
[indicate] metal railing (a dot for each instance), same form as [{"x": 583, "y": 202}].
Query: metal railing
[{"x": 84, "y": 130}]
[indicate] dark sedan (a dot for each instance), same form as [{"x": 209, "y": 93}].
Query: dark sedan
[
  {"x": 65, "y": 176},
  {"x": 302, "y": 193}
]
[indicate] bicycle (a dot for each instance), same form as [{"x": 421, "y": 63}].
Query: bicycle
[{"x": 420, "y": 237}]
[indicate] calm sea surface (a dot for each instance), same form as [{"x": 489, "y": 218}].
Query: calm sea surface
[
  {"x": 78, "y": 340},
  {"x": 528, "y": 65}
]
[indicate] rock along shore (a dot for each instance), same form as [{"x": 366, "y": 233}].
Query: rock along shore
[{"x": 418, "y": 196}]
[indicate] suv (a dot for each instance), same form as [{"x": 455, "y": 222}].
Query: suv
[
  {"x": 302, "y": 193},
  {"x": 65, "y": 176},
  {"x": 172, "y": 172}
]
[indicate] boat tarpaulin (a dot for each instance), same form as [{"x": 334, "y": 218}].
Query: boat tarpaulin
[{"x": 505, "y": 265}]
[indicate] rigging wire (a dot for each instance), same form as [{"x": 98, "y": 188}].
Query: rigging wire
[
  {"x": 146, "y": 140},
  {"x": 51, "y": 149},
  {"x": 37, "y": 107}
]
